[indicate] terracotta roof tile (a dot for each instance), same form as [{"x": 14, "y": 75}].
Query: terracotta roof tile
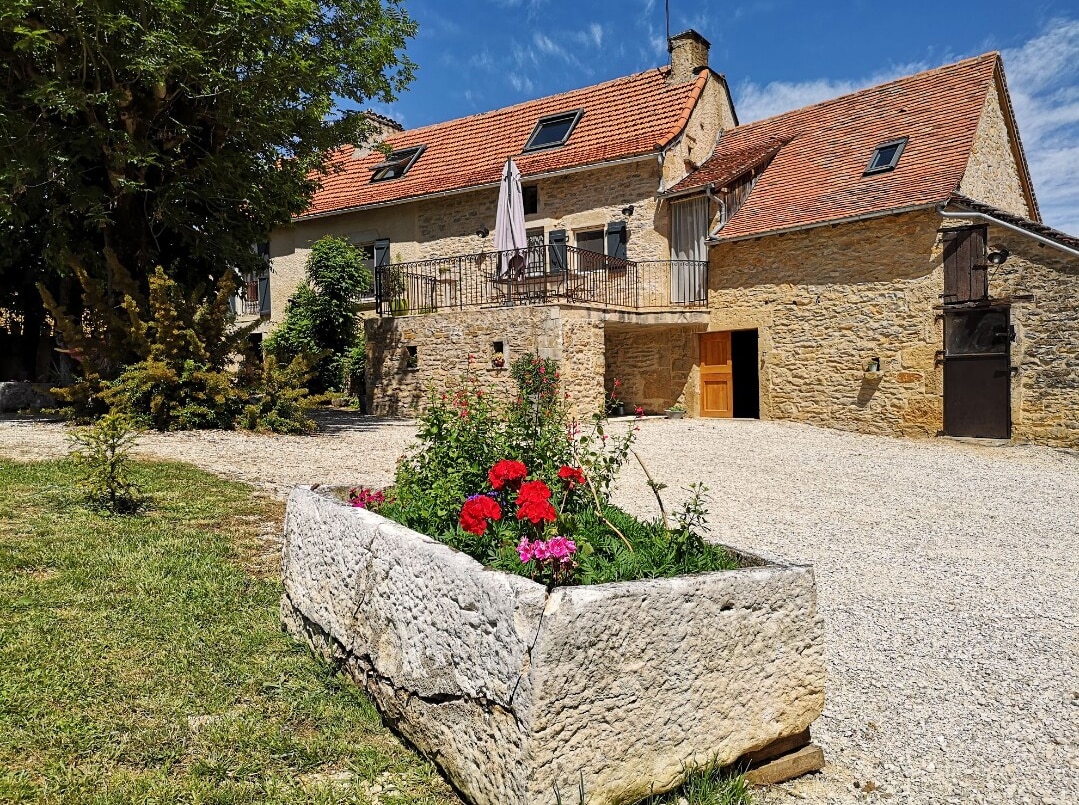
[
  {"x": 816, "y": 175},
  {"x": 622, "y": 118}
]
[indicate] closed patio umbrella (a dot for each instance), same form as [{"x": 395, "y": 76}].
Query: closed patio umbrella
[{"x": 510, "y": 239}]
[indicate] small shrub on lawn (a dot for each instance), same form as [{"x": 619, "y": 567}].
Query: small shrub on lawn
[
  {"x": 523, "y": 488},
  {"x": 102, "y": 452}
]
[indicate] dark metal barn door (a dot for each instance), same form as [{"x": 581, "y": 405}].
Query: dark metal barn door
[{"x": 977, "y": 373}]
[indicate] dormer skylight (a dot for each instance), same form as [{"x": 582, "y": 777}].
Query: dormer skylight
[
  {"x": 396, "y": 164},
  {"x": 553, "y": 130},
  {"x": 886, "y": 156}
]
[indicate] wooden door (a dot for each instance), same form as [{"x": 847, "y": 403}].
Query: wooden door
[
  {"x": 977, "y": 373},
  {"x": 717, "y": 380}
]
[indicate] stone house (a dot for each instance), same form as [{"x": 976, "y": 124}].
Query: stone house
[
  {"x": 603, "y": 268},
  {"x": 875, "y": 262}
]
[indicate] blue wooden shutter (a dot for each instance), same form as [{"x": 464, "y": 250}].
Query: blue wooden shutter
[
  {"x": 264, "y": 294},
  {"x": 616, "y": 240},
  {"x": 557, "y": 239}
]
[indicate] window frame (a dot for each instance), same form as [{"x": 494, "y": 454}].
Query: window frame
[
  {"x": 900, "y": 143},
  {"x": 390, "y": 162},
  {"x": 600, "y": 257},
  {"x": 575, "y": 117}
]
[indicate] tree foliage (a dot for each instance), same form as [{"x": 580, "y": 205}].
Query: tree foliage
[
  {"x": 178, "y": 134},
  {"x": 322, "y": 320}
]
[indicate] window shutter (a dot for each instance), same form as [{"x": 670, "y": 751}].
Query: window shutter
[
  {"x": 557, "y": 239},
  {"x": 381, "y": 259},
  {"x": 965, "y": 265},
  {"x": 616, "y": 240},
  {"x": 264, "y": 295}
]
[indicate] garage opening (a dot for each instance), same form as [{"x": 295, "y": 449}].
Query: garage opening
[{"x": 745, "y": 371}]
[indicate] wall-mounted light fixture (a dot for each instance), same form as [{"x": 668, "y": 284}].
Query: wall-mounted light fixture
[
  {"x": 627, "y": 211},
  {"x": 998, "y": 255},
  {"x": 482, "y": 232},
  {"x": 873, "y": 365}
]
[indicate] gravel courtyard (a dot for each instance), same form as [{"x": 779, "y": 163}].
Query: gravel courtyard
[{"x": 948, "y": 576}]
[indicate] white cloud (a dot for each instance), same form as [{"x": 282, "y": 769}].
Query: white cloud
[
  {"x": 757, "y": 101},
  {"x": 1043, "y": 80},
  {"x": 520, "y": 82}
]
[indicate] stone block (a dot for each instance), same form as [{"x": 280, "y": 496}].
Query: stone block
[
  {"x": 514, "y": 690},
  {"x": 16, "y": 396}
]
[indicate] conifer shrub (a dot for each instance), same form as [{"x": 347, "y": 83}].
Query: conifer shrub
[{"x": 102, "y": 452}]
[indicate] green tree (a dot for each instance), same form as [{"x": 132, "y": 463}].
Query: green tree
[
  {"x": 175, "y": 132},
  {"x": 322, "y": 319}
]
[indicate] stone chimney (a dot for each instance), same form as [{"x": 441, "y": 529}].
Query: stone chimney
[
  {"x": 386, "y": 126},
  {"x": 383, "y": 127},
  {"x": 689, "y": 55}
]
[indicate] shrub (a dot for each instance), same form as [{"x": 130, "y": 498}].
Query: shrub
[
  {"x": 176, "y": 396},
  {"x": 102, "y": 451},
  {"x": 280, "y": 402},
  {"x": 524, "y": 489},
  {"x": 321, "y": 320}
]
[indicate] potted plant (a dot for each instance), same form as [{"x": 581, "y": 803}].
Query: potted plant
[
  {"x": 498, "y": 360},
  {"x": 616, "y": 406},
  {"x": 676, "y": 411},
  {"x": 470, "y": 600}
]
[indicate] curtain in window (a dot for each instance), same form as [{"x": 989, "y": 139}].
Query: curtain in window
[{"x": 689, "y": 226}]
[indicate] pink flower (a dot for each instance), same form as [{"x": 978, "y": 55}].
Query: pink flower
[
  {"x": 561, "y": 548},
  {"x": 541, "y": 550},
  {"x": 638, "y": 412},
  {"x": 524, "y": 550}
]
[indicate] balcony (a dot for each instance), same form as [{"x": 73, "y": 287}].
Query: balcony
[{"x": 543, "y": 275}]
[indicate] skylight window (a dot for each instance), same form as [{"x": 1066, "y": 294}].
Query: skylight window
[
  {"x": 553, "y": 130},
  {"x": 886, "y": 156},
  {"x": 396, "y": 164}
]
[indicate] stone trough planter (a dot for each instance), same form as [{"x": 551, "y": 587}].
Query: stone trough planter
[{"x": 516, "y": 692}]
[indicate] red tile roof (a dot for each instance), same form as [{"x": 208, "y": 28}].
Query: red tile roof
[
  {"x": 816, "y": 175},
  {"x": 622, "y": 118}
]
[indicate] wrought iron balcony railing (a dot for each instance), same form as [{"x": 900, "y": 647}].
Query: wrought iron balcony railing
[{"x": 542, "y": 275}]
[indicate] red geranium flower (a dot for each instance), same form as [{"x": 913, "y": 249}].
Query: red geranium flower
[
  {"x": 507, "y": 473},
  {"x": 533, "y": 503},
  {"x": 477, "y": 510},
  {"x": 571, "y": 476}
]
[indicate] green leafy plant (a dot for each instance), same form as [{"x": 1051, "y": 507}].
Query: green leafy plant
[
  {"x": 102, "y": 452},
  {"x": 322, "y": 318},
  {"x": 523, "y": 488}
]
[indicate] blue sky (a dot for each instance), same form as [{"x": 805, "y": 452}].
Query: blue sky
[{"x": 477, "y": 55}]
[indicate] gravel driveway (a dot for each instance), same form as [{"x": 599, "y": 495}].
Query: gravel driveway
[{"x": 948, "y": 576}]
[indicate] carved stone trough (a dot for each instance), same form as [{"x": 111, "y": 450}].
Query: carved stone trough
[{"x": 515, "y": 692}]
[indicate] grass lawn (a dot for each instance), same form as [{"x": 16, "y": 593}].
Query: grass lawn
[{"x": 142, "y": 660}]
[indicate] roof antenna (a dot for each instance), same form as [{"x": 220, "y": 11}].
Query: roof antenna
[{"x": 667, "y": 5}]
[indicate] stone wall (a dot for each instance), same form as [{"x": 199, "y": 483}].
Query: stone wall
[
  {"x": 827, "y": 300},
  {"x": 1045, "y": 390},
  {"x": 992, "y": 174},
  {"x": 656, "y": 365},
  {"x": 448, "y": 344}
]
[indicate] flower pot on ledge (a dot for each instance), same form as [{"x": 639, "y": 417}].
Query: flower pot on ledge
[{"x": 516, "y": 691}]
